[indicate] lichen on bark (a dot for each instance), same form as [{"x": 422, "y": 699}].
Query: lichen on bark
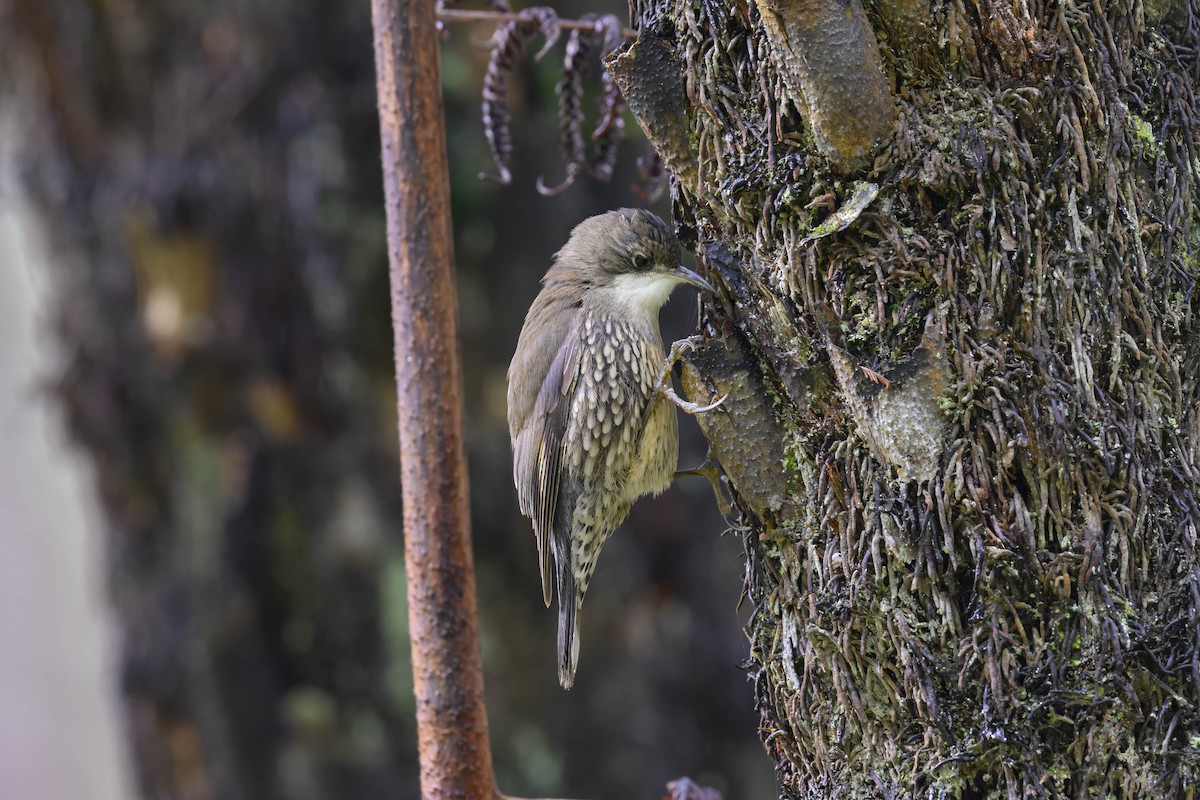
[{"x": 984, "y": 580}]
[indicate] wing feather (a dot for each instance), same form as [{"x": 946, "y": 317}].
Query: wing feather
[
  {"x": 555, "y": 405},
  {"x": 538, "y": 436}
]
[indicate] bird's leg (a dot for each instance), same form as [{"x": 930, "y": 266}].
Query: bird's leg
[
  {"x": 664, "y": 387},
  {"x": 710, "y": 472}
]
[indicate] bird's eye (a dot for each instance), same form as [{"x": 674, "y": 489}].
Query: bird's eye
[{"x": 641, "y": 261}]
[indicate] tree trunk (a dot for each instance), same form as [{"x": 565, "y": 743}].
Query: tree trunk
[{"x": 957, "y": 330}]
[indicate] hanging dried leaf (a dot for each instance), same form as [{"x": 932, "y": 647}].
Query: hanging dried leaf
[
  {"x": 580, "y": 46},
  {"x": 652, "y": 176},
  {"x": 612, "y": 33},
  {"x": 547, "y": 21},
  {"x": 509, "y": 43},
  {"x": 608, "y": 133},
  {"x": 611, "y": 127}
]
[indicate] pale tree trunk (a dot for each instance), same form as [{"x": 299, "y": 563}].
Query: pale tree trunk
[{"x": 957, "y": 331}]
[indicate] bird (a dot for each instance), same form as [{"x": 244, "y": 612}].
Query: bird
[{"x": 591, "y": 426}]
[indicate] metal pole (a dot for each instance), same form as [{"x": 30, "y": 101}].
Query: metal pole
[{"x": 452, "y": 729}]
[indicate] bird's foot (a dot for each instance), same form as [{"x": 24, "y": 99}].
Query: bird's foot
[
  {"x": 663, "y": 386},
  {"x": 678, "y": 350},
  {"x": 687, "y": 405},
  {"x": 711, "y": 472}
]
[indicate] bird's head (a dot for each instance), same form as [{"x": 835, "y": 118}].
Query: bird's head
[{"x": 630, "y": 252}]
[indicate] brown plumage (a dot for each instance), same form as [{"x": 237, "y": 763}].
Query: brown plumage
[{"x": 590, "y": 432}]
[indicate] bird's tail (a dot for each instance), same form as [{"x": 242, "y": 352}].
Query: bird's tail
[
  {"x": 568, "y": 612},
  {"x": 568, "y": 642}
]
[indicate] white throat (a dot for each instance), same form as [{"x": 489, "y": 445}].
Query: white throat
[{"x": 645, "y": 290}]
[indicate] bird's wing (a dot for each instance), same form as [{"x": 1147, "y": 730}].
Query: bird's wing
[
  {"x": 538, "y": 441},
  {"x": 556, "y": 402}
]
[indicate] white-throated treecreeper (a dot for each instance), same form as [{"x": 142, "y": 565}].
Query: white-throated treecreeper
[{"x": 591, "y": 432}]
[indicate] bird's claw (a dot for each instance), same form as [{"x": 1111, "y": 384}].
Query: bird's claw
[
  {"x": 678, "y": 349},
  {"x": 686, "y": 405},
  {"x": 711, "y": 472},
  {"x": 664, "y": 387}
]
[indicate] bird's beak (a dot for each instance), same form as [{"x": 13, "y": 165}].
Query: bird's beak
[{"x": 687, "y": 276}]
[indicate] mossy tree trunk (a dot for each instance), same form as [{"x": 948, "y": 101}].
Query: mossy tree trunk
[{"x": 957, "y": 327}]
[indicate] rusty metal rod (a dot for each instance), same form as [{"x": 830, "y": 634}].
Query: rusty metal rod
[{"x": 452, "y": 731}]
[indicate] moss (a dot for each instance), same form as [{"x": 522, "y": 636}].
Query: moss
[{"x": 1147, "y": 145}]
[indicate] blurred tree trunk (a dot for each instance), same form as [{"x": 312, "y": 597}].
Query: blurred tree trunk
[
  {"x": 216, "y": 374},
  {"x": 210, "y": 174},
  {"x": 958, "y": 332}
]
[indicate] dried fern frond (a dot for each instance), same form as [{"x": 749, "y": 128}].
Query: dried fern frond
[
  {"x": 509, "y": 43},
  {"x": 612, "y": 33},
  {"x": 547, "y": 20},
  {"x": 652, "y": 176},
  {"x": 611, "y": 127},
  {"x": 580, "y": 46},
  {"x": 609, "y": 132}
]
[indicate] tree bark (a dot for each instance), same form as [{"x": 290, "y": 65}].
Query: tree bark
[{"x": 961, "y": 364}]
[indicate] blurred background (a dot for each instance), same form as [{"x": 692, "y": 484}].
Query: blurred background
[{"x": 202, "y": 594}]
